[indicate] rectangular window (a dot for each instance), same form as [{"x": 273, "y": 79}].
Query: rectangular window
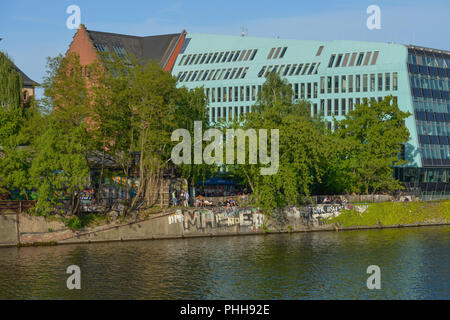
[
  {"x": 261, "y": 72},
  {"x": 200, "y": 75},
  {"x": 203, "y": 58},
  {"x": 253, "y": 93},
  {"x": 322, "y": 107},
  {"x": 241, "y": 98},
  {"x": 336, "y": 84},
  {"x": 343, "y": 111},
  {"x": 343, "y": 84},
  {"x": 315, "y": 110},
  {"x": 244, "y": 73},
  {"x": 357, "y": 83},
  {"x": 230, "y": 94},
  {"x": 296, "y": 91},
  {"x": 232, "y": 73},
  {"x": 395, "y": 81},
  {"x": 209, "y": 58},
  {"x": 357, "y": 102},
  {"x": 286, "y": 70},
  {"x": 213, "y": 95},
  {"x": 387, "y": 81},
  {"x": 236, "y": 94},
  {"x": 227, "y": 74},
  {"x": 219, "y": 94},
  {"x": 329, "y": 84},
  {"x": 280, "y": 72},
  {"x": 350, "y": 83},
  {"x": 230, "y": 113},
  {"x": 352, "y": 60},
  {"x": 213, "y": 115},
  {"x": 182, "y": 60},
  {"x": 302, "y": 91},
  {"x": 336, "y": 107},
  {"x": 192, "y": 59},
  {"x": 380, "y": 82},
  {"x": 329, "y": 107},
  {"x": 247, "y": 93},
  {"x": 225, "y": 98},
  {"x": 372, "y": 82},
  {"x": 219, "y": 59},
  {"x": 219, "y": 113},
  {"x": 350, "y": 104},
  {"x": 322, "y": 85},
  {"x": 315, "y": 90},
  {"x": 308, "y": 90},
  {"x": 365, "y": 80},
  {"x": 207, "y": 95}
]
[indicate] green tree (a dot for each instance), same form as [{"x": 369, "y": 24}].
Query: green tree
[
  {"x": 371, "y": 139},
  {"x": 10, "y": 83}
]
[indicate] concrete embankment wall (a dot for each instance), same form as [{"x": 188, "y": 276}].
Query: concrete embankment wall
[{"x": 22, "y": 229}]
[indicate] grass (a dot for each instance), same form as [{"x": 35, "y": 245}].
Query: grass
[{"x": 393, "y": 213}]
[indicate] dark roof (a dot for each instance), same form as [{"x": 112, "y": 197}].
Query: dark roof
[
  {"x": 26, "y": 81},
  {"x": 156, "y": 48}
]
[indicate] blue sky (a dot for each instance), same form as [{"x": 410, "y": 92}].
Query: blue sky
[{"x": 33, "y": 30}]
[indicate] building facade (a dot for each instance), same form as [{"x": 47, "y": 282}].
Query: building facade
[{"x": 334, "y": 76}]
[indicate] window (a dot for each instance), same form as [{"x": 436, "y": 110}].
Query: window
[
  {"x": 247, "y": 55},
  {"x": 302, "y": 91},
  {"x": 357, "y": 102},
  {"x": 214, "y": 57},
  {"x": 315, "y": 109},
  {"x": 305, "y": 69},
  {"x": 213, "y": 95},
  {"x": 241, "y": 96},
  {"x": 261, "y": 72},
  {"x": 350, "y": 83},
  {"x": 203, "y": 58},
  {"x": 207, "y": 95},
  {"x": 322, "y": 107},
  {"x": 225, "y": 56},
  {"x": 205, "y": 75},
  {"x": 283, "y": 52},
  {"x": 380, "y": 82},
  {"x": 231, "y": 56},
  {"x": 187, "y": 59},
  {"x": 350, "y": 104},
  {"x": 338, "y": 61},
  {"x": 200, "y": 75},
  {"x": 352, "y": 60},
  {"x": 395, "y": 81},
  {"x": 277, "y": 53},
  {"x": 244, "y": 73},
  {"x": 336, "y": 107},
  {"x": 236, "y": 94},
  {"x": 227, "y": 74},
  {"x": 360, "y": 59},
  {"x": 270, "y": 53},
  {"x": 230, "y": 95},
  {"x": 322, "y": 85},
  {"x": 219, "y": 94},
  {"x": 300, "y": 66},
  {"x": 182, "y": 60},
  {"x": 308, "y": 90},
  {"x": 375, "y": 57},
  {"x": 247, "y": 93},
  {"x": 281, "y": 70},
  {"x": 198, "y": 58},
  {"x": 343, "y": 84},
  {"x": 329, "y": 84},
  {"x": 330, "y": 63},
  {"x": 365, "y": 80},
  {"x": 286, "y": 70},
  {"x": 209, "y": 58},
  {"x": 220, "y": 57},
  {"x": 317, "y": 68},
  {"x": 242, "y": 55},
  {"x": 236, "y": 55},
  {"x": 315, "y": 90},
  {"x": 366, "y": 61},
  {"x": 319, "y": 52},
  {"x": 372, "y": 82},
  {"x": 296, "y": 91},
  {"x": 343, "y": 111},
  {"x": 357, "y": 83},
  {"x": 336, "y": 84},
  {"x": 225, "y": 98},
  {"x": 344, "y": 63},
  {"x": 254, "y": 54},
  {"x": 253, "y": 93},
  {"x": 239, "y": 73},
  {"x": 213, "y": 115},
  {"x": 387, "y": 81},
  {"x": 194, "y": 76},
  {"x": 329, "y": 107},
  {"x": 311, "y": 68},
  {"x": 232, "y": 74}
]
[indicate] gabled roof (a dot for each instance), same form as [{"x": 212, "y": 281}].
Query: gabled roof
[
  {"x": 156, "y": 48},
  {"x": 26, "y": 81}
]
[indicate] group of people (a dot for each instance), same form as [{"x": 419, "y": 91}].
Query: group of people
[
  {"x": 335, "y": 200},
  {"x": 183, "y": 198}
]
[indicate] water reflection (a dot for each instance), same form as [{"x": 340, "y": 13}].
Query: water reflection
[{"x": 414, "y": 265}]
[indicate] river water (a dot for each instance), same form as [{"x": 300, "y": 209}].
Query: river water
[{"x": 414, "y": 264}]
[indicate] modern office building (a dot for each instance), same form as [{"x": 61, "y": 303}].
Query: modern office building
[{"x": 334, "y": 76}]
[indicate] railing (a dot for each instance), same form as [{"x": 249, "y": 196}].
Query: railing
[{"x": 7, "y": 206}]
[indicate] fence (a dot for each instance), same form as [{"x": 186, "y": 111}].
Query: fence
[{"x": 15, "y": 206}]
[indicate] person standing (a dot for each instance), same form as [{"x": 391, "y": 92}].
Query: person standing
[
  {"x": 186, "y": 197},
  {"x": 174, "y": 198}
]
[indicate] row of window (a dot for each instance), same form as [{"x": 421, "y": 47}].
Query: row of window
[
  {"x": 428, "y": 61},
  {"x": 431, "y": 105},
  {"x": 432, "y": 71},
  {"x": 363, "y": 58},
  {"x": 290, "y": 70},
  {"x": 227, "y": 113},
  {"x": 218, "y": 57},
  {"x": 433, "y": 151},
  {"x": 215, "y": 74},
  {"x": 340, "y": 107},
  {"x": 275, "y": 53},
  {"x": 232, "y": 94},
  {"x": 428, "y": 82},
  {"x": 433, "y": 128},
  {"x": 357, "y": 83}
]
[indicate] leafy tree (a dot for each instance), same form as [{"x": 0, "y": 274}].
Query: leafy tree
[
  {"x": 371, "y": 138},
  {"x": 10, "y": 83}
]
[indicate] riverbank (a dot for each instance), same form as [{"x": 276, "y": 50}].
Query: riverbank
[{"x": 27, "y": 230}]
